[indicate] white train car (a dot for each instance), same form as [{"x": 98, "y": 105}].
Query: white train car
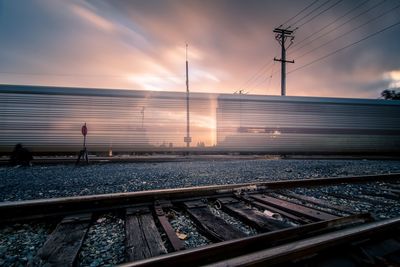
[
  {"x": 308, "y": 125},
  {"x": 49, "y": 119}
]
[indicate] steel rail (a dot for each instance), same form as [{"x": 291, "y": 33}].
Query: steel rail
[
  {"x": 233, "y": 248},
  {"x": 31, "y": 209},
  {"x": 310, "y": 246}
]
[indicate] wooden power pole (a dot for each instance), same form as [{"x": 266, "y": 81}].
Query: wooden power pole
[{"x": 282, "y": 35}]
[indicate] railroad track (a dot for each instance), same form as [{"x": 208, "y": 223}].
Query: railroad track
[{"x": 295, "y": 223}]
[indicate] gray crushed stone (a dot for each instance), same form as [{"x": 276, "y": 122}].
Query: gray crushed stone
[
  {"x": 383, "y": 209},
  {"x": 104, "y": 243},
  {"x": 182, "y": 223},
  {"x": 19, "y": 243},
  {"x": 51, "y": 181}
]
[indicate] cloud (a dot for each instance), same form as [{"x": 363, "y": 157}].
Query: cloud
[
  {"x": 393, "y": 77},
  {"x": 141, "y": 45},
  {"x": 93, "y": 18}
]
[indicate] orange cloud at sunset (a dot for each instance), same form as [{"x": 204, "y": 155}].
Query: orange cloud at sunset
[{"x": 140, "y": 45}]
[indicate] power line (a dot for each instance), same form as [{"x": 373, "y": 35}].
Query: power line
[
  {"x": 331, "y": 23},
  {"x": 320, "y": 13},
  {"x": 309, "y": 13},
  {"x": 350, "y": 31},
  {"x": 261, "y": 75},
  {"x": 270, "y": 77},
  {"x": 265, "y": 77},
  {"x": 339, "y": 26},
  {"x": 256, "y": 75},
  {"x": 298, "y": 13},
  {"x": 345, "y": 47}
]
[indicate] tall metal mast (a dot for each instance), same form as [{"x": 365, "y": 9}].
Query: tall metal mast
[
  {"x": 281, "y": 36},
  {"x": 187, "y": 139},
  {"x": 142, "y": 112}
]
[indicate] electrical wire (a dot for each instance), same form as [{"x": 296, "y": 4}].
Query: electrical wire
[
  {"x": 256, "y": 75},
  {"x": 298, "y": 13},
  {"x": 350, "y": 31},
  {"x": 273, "y": 72},
  {"x": 270, "y": 77},
  {"x": 339, "y": 26},
  {"x": 345, "y": 47},
  {"x": 331, "y": 23},
  {"x": 320, "y": 13},
  {"x": 308, "y": 14},
  {"x": 262, "y": 75}
]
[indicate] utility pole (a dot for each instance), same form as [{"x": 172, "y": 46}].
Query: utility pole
[
  {"x": 240, "y": 92},
  {"x": 142, "y": 112},
  {"x": 282, "y": 36},
  {"x": 187, "y": 139}
]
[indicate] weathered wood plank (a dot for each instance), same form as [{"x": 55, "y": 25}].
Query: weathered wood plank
[
  {"x": 294, "y": 208},
  {"x": 62, "y": 246},
  {"x": 290, "y": 216},
  {"x": 251, "y": 215},
  {"x": 287, "y": 252},
  {"x": 195, "y": 204},
  {"x": 317, "y": 201},
  {"x": 214, "y": 227},
  {"x": 142, "y": 237},
  {"x": 224, "y": 250}
]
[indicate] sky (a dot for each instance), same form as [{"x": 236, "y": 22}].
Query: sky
[{"x": 140, "y": 45}]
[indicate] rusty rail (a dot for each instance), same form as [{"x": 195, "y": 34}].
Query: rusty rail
[
  {"x": 36, "y": 209},
  {"x": 304, "y": 230}
]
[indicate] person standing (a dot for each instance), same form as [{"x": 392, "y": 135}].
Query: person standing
[{"x": 21, "y": 156}]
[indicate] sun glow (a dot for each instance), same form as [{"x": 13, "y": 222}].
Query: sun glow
[
  {"x": 151, "y": 83},
  {"x": 393, "y": 77}
]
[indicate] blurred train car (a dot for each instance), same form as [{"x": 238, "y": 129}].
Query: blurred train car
[
  {"x": 49, "y": 119},
  {"x": 308, "y": 125}
]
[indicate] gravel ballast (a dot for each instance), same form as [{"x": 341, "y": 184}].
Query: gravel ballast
[
  {"x": 37, "y": 182},
  {"x": 104, "y": 242},
  {"x": 19, "y": 243}
]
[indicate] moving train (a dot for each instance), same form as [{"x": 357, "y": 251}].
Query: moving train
[
  {"x": 49, "y": 120},
  {"x": 308, "y": 125}
]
